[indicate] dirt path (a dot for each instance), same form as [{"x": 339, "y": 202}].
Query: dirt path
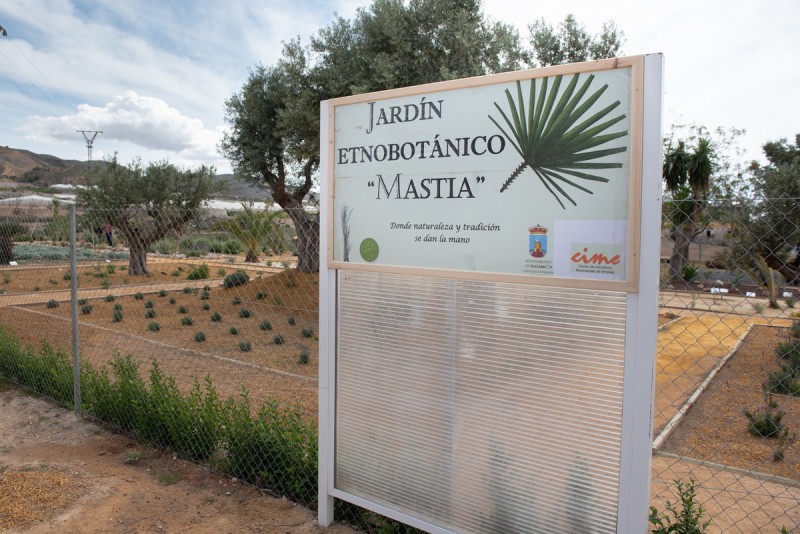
[{"x": 60, "y": 473}]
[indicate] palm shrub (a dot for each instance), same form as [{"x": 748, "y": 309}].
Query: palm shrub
[{"x": 253, "y": 229}]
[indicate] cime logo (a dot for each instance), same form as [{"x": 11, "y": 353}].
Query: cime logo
[{"x": 597, "y": 258}]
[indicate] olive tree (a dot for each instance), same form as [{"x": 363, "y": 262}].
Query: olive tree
[{"x": 146, "y": 203}]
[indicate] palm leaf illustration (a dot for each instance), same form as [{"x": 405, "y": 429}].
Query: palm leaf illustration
[{"x": 555, "y": 138}]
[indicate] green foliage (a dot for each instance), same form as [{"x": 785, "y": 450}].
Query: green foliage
[
  {"x": 304, "y": 358},
  {"x": 278, "y": 340},
  {"x": 236, "y": 301},
  {"x": 216, "y": 317},
  {"x": 149, "y": 314},
  {"x": 186, "y": 290},
  {"x": 66, "y": 277},
  {"x": 290, "y": 320},
  {"x": 47, "y": 371},
  {"x": 237, "y": 278},
  {"x": 766, "y": 422},
  {"x": 138, "y": 296},
  {"x": 245, "y": 313},
  {"x": 187, "y": 321},
  {"x": 683, "y": 518},
  {"x": 234, "y": 331},
  {"x": 182, "y": 309},
  {"x": 111, "y": 268},
  {"x": 795, "y": 330},
  {"x": 149, "y": 304},
  {"x": 260, "y": 295},
  {"x": 206, "y": 306},
  {"x": 253, "y": 228},
  {"x": 109, "y": 298},
  {"x": 117, "y": 307},
  {"x": 199, "y": 337},
  {"x": 205, "y": 295},
  {"x": 153, "y": 326},
  {"x": 265, "y": 325},
  {"x": 689, "y": 272},
  {"x": 86, "y": 309},
  {"x": 245, "y": 346},
  {"x": 200, "y": 272},
  {"x": 52, "y": 304},
  {"x": 307, "y": 332},
  {"x": 172, "y": 300},
  {"x": 116, "y": 316},
  {"x": 571, "y": 43},
  {"x": 162, "y": 293}
]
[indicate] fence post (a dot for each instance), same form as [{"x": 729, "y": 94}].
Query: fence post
[{"x": 73, "y": 271}]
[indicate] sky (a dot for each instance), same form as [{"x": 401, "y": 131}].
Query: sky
[{"x": 154, "y": 75}]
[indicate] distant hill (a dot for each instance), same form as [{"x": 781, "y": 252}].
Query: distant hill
[{"x": 41, "y": 170}]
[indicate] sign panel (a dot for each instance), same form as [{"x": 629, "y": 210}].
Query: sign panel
[{"x": 530, "y": 177}]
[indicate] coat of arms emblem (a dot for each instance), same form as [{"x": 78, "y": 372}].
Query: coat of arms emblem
[{"x": 538, "y": 241}]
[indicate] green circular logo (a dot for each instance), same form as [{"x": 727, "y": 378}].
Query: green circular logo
[{"x": 369, "y": 249}]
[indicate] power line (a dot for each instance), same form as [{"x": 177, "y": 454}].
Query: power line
[{"x": 89, "y": 140}]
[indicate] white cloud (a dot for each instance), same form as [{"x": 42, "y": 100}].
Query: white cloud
[{"x": 143, "y": 121}]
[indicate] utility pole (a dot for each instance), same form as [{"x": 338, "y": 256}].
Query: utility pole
[{"x": 89, "y": 140}]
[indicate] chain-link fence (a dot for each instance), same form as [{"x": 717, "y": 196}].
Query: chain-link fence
[{"x": 197, "y": 332}]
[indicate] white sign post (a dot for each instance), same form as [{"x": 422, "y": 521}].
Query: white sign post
[{"x": 527, "y": 204}]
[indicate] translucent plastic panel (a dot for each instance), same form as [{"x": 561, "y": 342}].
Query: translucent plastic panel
[{"x": 480, "y": 406}]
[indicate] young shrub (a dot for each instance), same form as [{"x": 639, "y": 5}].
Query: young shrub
[
  {"x": 291, "y": 282},
  {"x": 172, "y": 300},
  {"x": 175, "y": 273},
  {"x": 216, "y": 317},
  {"x": 767, "y": 422},
  {"x": 138, "y": 296},
  {"x": 244, "y": 313},
  {"x": 206, "y": 306},
  {"x": 205, "y": 295},
  {"x": 81, "y": 302},
  {"x": 221, "y": 272},
  {"x": 278, "y": 340},
  {"x": 260, "y": 295},
  {"x": 109, "y": 298},
  {"x": 245, "y": 346},
  {"x": 182, "y": 309},
  {"x": 162, "y": 293},
  {"x": 237, "y": 278},
  {"x": 153, "y": 326},
  {"x": 105, "y": 284},
  {"x": 685, "y": 518},
  {"x": 304, "y": 358},
  {"x": 187, "y": 290},
  {"x": 117, "y": 307},
  {"x": 111, "y": 268},
  {"x": 276, "y": 299},
  {"x": 187, "y": 321},
  {"x": 265, "y": 325},
  {"x": 53, "y": 281},
  {"x": 52, "y": 304},
  {"x": 67, "y": 277},
  {"x": 234, "y": 331},
  {"x": 149, "y": 314},
  {"x": 199, "y": 337},
  {"x": 795, "y": 330},
  {"x": 307, "y": 332},
  {"x": 236, "y": 301},
  {"x": 783, "y": 382},
  {"x": 789, "y": 349},
  {"x": 86, "y": 309},
  {"x": 117, "y": 316},
  {"x": 290, "y": 320},
  {"x": 149, "y": 304},
  {"x": 198, "y": 273}
]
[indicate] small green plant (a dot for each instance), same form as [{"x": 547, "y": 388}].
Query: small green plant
[
  {"x": 111, "y": 268},
  {"x": 290, "y": 320},
  {"x": 245, "y": 346},
  {"x": 234, "y": 279},
  {"x": 81, "y": 302},
  {"x": 6, "y": 279},
  {"x": 795, "y": 330},
  {"x": 67, "y": 277},
  {"x": 758, "y": 307},
  {"x": 206, "y": 306},
  {"x": 187, "y": 321},
  {"x": 162, "y": 293},
  {"x": 689, "y": 272},
  {"x": 276, "y": 299},
  {"x": 216, "y": 317},
  {"x": 86, "y": 309},
  {"x": 187, "y": 290},
  {"x": 52, "y": 304},
  {"x": 138, "y": 296},
  {"x": 182, "y": 309},
  {"x": 149, "y": 314},
  {"x": 176, "y": 272},
  {"x": 265, "y": 325},
  {"x": 149, "y": 304},
  {"x": 307, "y": 332},
  {"x": 206, "y": 287},
  {"x": 236, "y": 301},
  {"x": 685, "y": 518},
  {"x": 37, "y": 289},
  {"x": 291, "y": 282},
  {"x": 168, "y": 478},
  {"x": 260, "y": 295},
  {"x": 117, "y": 316},
  {"x": 105, "y": 284},
  {"x": 788, "y": 349},
  {"x": 133, "y": 456},
  {"x": 198, "y": 273},
  {"x": 234, "y": 331},
  {"x": 172, "y": 300},
  {"x": 205, "y": 295},
  {"x": 791, "y": 302},
  {"x": 766, "y": 422},
  {"x": 221, "y": 272},
  {"x": 245, "y": 313},
  {"x": 199, "y": 337},
  {"x": 118, "y": 307},
  {"x": 153, "y": 326},
  {"x": 304, "y": 358},
  {"x": 109, "y": 298},
  {"x": 278, "y": 340},
  {"x": 785, "y": 440}
]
